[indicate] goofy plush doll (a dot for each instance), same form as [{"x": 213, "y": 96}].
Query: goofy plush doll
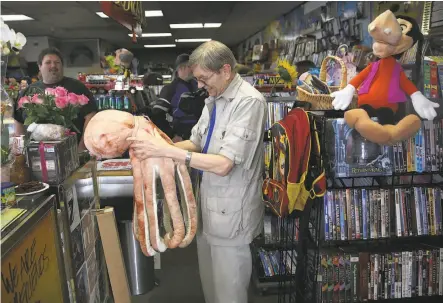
[{"x": 383, "y": 85}]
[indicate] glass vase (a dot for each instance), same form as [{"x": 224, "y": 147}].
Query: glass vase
[{"x": 6, "y": 124}]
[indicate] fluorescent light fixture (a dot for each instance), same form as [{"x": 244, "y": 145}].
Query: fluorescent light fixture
[
  {"x": 7, "y": 18},
  {"x": 167, "y": 76},
  {"x": 102, "y": 15},
  {"x": 147, "y": 35},
  {"x": 159, "y": 45},
  {"x": 212, "y": 25},
  {"x": 187, "y": 25},
  {"x": 193, "y": 40},
  {"x": 153, "y": 14}
]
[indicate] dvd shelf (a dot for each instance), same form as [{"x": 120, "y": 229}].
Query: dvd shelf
[
  {"x": 354, "y": 214},
  {"x": 360, "y": 277},
  {"x": 381, "y": 235}
]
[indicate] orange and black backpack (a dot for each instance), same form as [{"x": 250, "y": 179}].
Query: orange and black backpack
[{"x": 296, "y": 170}]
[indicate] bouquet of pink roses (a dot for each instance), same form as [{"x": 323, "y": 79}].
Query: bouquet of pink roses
[{"x": 53, "y": 106}]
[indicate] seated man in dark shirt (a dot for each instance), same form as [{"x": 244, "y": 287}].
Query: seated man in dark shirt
[{"x": 50, "y": 63}]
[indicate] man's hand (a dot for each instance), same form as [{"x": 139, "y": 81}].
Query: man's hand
[{"x": 154, "y": 146}]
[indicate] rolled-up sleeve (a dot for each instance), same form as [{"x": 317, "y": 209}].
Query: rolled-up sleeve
[{"x": 244, "y": 133}]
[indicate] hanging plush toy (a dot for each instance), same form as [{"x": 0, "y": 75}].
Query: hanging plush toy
[{"x": 383, "y": 85}]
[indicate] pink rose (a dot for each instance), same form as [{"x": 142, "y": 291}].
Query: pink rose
[
  {"x": 23, "y": 100},
  {"x": 82, "y": 99},
  {"x": 72, "y": 99},
  {"x": 61, "y": 102},
  {"x": 50, "y": 91},
  {"x": 60, "y": 92},
  {"x": 37, "y": 99}
]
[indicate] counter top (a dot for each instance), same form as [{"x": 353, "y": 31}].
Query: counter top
[
  {"x": 13, "y": 217},
  {"x": 85, "y": 172}
]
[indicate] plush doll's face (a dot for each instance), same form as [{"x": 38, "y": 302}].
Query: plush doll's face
[{"x": 390, "y": 35}]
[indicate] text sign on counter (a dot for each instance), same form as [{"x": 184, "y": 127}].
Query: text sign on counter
[
  {"x": 114, "y": 164},
  {"x": 30, "y": 270}
]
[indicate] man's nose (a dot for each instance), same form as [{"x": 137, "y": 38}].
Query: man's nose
[{"x": 200, "y": 85}]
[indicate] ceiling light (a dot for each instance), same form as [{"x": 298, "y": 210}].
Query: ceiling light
[
  {"x": 212, "y": 25},
  {"x": 7, "y": 18},
  {"x": 187, "y": 25},
  {"x": 153, "y": 14},
  {"x": 102, "y": 15},
  {"x": 147, "y": 35},
  {"x": 193, "y": 40},
  {"x": 159, "y": 45},
  {"x": 167, "y": 76}
]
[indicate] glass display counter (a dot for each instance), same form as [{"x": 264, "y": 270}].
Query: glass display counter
[{"x": 31, "y": 252}]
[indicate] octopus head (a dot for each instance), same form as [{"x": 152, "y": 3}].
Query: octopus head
[{"x": 106, "y": 133}]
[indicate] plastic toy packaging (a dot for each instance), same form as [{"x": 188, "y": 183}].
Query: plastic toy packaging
[
  {"x": 314, "y": 71},
  {"x": 348, "y": 58}
]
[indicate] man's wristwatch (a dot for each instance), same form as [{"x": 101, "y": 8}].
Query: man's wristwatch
[{"x": 188, "y": 159}]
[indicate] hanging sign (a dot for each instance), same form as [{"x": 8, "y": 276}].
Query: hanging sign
[{"x": 130, "y": 14}]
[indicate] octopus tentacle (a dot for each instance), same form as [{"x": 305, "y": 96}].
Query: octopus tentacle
[
  {"x": 170, "y": 190},
  {"x": 188, "y": 205},
  {"x": 150, "y": 170},
  {"x": 139, "y": 221}
]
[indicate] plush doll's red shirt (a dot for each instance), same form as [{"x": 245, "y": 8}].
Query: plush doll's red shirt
[{"x": 377, "y": 96}]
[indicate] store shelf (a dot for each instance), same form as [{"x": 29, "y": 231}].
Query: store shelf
[
  {"x": 260, "y": 242},
  {"x": 384, "y": 244},
  {"x": 427, "y": 299},
  {"x": 396, "y": 180}
]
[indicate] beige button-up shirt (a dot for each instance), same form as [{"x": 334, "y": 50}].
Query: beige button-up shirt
[{"x": 231, "y": 206}]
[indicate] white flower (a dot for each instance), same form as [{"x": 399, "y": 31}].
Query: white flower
[
  {"x": 9, "y": 40},
  {"x": 19, "y": 42},
  {"x": 5, "y": 50},
  {"x": 5, "y": 33}
]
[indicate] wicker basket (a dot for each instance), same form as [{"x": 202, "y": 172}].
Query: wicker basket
[{"x": 324, "y": 101}]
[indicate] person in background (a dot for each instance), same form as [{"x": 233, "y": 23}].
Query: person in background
[
  {"x": 50, "y": 63},
  {"x": 226, "y": 145},
  {"x": 182, "y": 123},
  {"x": 158, "y": 110}
]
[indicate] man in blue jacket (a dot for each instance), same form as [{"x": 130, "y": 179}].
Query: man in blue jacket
[{"x": 183, "y": 82}]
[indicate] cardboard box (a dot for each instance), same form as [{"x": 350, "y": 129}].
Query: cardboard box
[
  {"x": 60, "y": 158},
  {"x": 113, "y": 255}
]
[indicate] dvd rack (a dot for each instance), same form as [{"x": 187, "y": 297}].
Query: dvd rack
[
  {"x": 280, "y": 257},
  {"x": 274, "y": 259},
  {"x": 301, "y": 286},
  {"x": 397, "y": 260}
]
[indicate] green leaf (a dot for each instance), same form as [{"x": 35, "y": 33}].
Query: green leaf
[{"x": 30, "y": 119}]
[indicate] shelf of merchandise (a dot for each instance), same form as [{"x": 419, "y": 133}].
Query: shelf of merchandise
[{"x": 391, "y": 244}]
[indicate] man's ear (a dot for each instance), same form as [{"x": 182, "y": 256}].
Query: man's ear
[{"x": 227, "y": 71}]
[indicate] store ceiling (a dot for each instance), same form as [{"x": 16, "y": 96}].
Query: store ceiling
[{"x": 78, "y": 20}]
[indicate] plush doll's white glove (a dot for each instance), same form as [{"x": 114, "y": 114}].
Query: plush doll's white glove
[
  {"x": 343, "y": 98},
  {"x": 424, "y": 108}
]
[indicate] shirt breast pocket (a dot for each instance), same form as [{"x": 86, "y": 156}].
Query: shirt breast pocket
[{"x": 203, "y": 132}]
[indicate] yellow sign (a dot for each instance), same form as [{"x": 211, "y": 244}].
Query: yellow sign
[
  {"x": 30, "y": 272},
  {"x": 134, "y": 7}
]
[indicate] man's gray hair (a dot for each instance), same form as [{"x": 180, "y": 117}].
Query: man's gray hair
[{"x": 212, "y": 55}]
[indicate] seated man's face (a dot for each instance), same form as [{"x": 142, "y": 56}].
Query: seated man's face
[{"x": 51, "y": 69}]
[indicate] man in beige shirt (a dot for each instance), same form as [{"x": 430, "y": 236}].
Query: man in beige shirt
[{"x": 226, "y": 145}]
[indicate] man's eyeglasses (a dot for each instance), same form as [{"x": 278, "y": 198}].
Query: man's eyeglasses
[{"x": 204, "y": 81}]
